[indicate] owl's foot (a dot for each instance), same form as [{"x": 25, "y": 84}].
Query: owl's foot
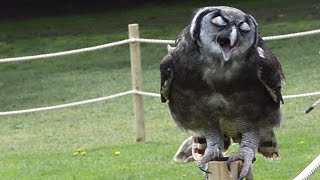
[
  {"x": 245, "y": 154},
  {"x": 212, "y": 152}
]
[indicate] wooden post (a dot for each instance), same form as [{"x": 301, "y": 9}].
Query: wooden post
[
  {"x": 219, "y": 170},
  {"x": 137, "y": 82}
]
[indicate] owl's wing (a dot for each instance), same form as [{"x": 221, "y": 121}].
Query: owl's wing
[
  {"x": 269, "y": 71},
  {"x": 166, "y": 75}
]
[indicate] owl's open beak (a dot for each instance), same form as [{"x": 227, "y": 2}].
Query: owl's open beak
[{"x": 227, "y": 44}]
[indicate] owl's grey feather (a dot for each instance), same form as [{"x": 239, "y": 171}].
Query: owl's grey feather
[
  {"x": 269, "y": 71},
  {"x": 166, "y": 69},
  {"x": 224, "y": 82}
]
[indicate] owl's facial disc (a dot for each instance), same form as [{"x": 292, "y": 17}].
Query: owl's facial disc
[{"x": 228, "y": 44}]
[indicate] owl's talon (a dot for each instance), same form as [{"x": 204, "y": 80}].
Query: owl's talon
[
  {"x": 247, "y": 156},
  {"x": 202, "y": 168},
  {"x": 229, "y": 165},
  {"x": 253, "y": 160},
  {"x": 219, "y": 154}
]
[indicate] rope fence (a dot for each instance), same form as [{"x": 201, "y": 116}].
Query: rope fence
[
  {"x": 131, "y": 92},
  {"x": 301, "y": 95},
  {"x": 313, "y": 106},
  {"x": 64, "y": 53},
  {"x": 66, "y": 105},
  {"x": 309, "y": 170},
  {"x": 105, "y": 98},
  {"x": 140, "y": 40}
]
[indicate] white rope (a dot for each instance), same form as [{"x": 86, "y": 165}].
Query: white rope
[
  {"x": 286, "y": 36},
  {"x": 63, "y": 53},
  {"x": 313, "y": 106},
  {"x": 301, "y": 95},
  {"x": 146, "y": 94},
  {"x": 141, "y": 40},
  {"x": 309, "y": 170},
  {"x": 66, "y": 105},
  {"x": 153, "y": 41},
  {"x": 142, "y": 93}
]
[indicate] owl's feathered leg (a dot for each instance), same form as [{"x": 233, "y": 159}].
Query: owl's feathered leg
[
  {"x": 213, "y": 150},
  {"x": 248, "y": 148}
]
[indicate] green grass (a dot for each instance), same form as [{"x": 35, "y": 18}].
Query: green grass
[{"x": 41, "y": 145}]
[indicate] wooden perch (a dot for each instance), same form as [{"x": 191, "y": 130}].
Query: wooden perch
[{"x": 219, "y": 170}]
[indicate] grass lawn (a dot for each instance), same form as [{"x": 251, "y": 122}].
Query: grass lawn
[{"x": 44, "y": 145}]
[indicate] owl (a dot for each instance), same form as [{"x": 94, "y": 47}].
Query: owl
[{"x": 222, "y": 83}]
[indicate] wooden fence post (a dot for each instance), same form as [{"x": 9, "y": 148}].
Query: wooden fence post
[
  {"x": 136, "y": 75},
  {"x": 219, "y": 170}
]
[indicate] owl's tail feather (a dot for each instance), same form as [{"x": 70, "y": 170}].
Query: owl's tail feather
[{"x": 268, "y": 146}]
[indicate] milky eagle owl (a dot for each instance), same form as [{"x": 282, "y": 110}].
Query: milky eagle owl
[{"x": 222, "y": 83}]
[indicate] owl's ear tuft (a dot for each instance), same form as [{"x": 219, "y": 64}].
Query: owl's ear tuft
[
  {"x": 196, "y": 21},
  {"x": 256, "y": 36}
]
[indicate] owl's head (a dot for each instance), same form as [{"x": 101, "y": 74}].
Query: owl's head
[{"x": 224, "y": 31}]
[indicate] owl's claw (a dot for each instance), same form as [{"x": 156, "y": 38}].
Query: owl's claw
[
  {"x": 247, "y": 156},
  {"x": 202, "y": 168},
  {"x": 219, "y": 154},
  {"x": 229, "y": 163},
  {"x": 211, "y": 152}
]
